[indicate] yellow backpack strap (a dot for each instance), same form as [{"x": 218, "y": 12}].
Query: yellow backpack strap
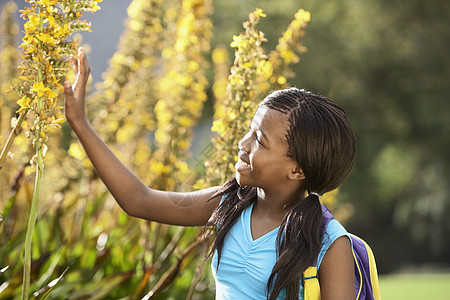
[
  {"x": 373, "y": 272},
  {"x": 311, "y": 284}
]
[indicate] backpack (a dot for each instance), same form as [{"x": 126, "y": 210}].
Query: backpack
[{"x": 366, "y": 276}]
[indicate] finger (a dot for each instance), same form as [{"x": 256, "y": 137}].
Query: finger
[
  {"x": 78, "y": 64},
  {"x": 74, "y": 65},
  {"x": 87, "y": 68},
  {"x": 84, "y": 66}
]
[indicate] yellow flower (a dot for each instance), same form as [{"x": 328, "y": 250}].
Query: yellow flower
[
  {"x": 32, "y": 24},
  {"x": 303, "y": 15},
  {"x": 26, "y": 11},
  {"x": 259, "y": 12},
  {"x": 95, "y": 7},
  {"x": 27, "y": 40},
  {"x": 46, "y": 38},
  {"x": 47, "y": 2},
  {"x": 237, "y": 42},
  {"x": 185, "y": 121},
  {"x": 281, "y": 80},
  {"x": 38, "y": 87},
  {"x": 51, "y": 21},
  {"x": 265, "y": 69},
  {"x": 219, "y": 55},
  {"x": 219, "y": 126},
  {"x": 62, "y": 31},
  {"x": 24, "y": 103},
  {"x": 76, "y": 151},
  {"x": 52, "y": 94}
]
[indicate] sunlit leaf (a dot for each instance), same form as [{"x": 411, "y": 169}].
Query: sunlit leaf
[
  {"x": 50, "y": 269},
  {"x": 44, "y": 293},
  {"x": 101, "y": 288}
]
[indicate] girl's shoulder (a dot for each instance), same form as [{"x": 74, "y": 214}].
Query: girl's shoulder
[{"x": 333, "y": 231}]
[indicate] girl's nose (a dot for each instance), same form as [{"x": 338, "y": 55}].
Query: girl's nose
[{"x": 244, "y": 143}]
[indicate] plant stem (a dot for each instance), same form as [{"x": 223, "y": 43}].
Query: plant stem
[{"x": 32, "y": 221}]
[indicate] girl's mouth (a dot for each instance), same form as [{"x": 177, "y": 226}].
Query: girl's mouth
[
  {"x": 242, "y": 166},
  {"x": 243, "y": 162}
]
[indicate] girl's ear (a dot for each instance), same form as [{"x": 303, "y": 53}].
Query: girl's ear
[{"x": 296, "y": 174}]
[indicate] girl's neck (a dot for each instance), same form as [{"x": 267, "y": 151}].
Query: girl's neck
[{"x": 277, "y": 204}]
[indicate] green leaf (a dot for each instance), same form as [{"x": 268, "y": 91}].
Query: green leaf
[
  {"x": 5, "y": 214},
  {"x": 9, "y": 205},
  {"x": 44, "y": 293},
  {"x": 100, "y": 289},
  {"x": 50, "y": 269},
  {"x": 14, "y": 242}
]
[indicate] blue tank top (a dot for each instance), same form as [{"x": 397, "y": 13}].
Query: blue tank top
[{"x": 246, "y": 264}]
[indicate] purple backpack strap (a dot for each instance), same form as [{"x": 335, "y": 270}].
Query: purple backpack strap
[
  {"x": 327, "y": 217},
  {"x": 363, "y": 256}
]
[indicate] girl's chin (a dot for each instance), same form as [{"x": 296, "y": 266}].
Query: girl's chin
[
  {"x": 242, "y": 181},
  {"x": 239, "y": 179}
]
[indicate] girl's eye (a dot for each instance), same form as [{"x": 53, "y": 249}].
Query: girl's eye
[
  {"x": 251, "y": 132},
  {"x": 258, "y": 140}
]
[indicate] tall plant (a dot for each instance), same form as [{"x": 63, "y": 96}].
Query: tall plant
[
  {"x": 49, "y": 24},
  {"x": 239, "y": 104},
  {"x": 138, "y": 50},
  {"x": 182, "y": 92}
]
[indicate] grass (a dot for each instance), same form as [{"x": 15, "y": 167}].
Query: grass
[{"x": 415, "y": 286}]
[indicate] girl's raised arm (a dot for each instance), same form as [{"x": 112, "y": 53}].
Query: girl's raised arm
[{"x": 187, "y": 209}]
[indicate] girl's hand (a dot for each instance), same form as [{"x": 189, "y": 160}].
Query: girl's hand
[{"x": 74, "y": 102}]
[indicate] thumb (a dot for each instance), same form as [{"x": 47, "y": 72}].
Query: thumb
[{"x": 68, "y": 91}]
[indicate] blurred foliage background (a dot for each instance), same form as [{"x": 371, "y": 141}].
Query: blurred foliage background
[{"x": 385, "y": 62}]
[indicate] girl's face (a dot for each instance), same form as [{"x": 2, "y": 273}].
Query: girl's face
[{"x": 263, "y": 160}]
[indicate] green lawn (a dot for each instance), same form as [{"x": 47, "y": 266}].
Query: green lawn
[{"x": 415, "y": 287}]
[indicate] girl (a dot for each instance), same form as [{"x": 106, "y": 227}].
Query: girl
[{"x": 269, "y": 218}]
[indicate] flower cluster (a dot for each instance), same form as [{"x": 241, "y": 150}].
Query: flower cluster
[
  {"x": 122, "y": 107},
  {"x": 277, "y": 70},
  {"x": 232, "y": 120},
  {"x": 138, "y": 49},
  {"x": 221, "y": 73},
  {"x": 182, "y": 92},
  {"x": 45, "y": 48}
]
